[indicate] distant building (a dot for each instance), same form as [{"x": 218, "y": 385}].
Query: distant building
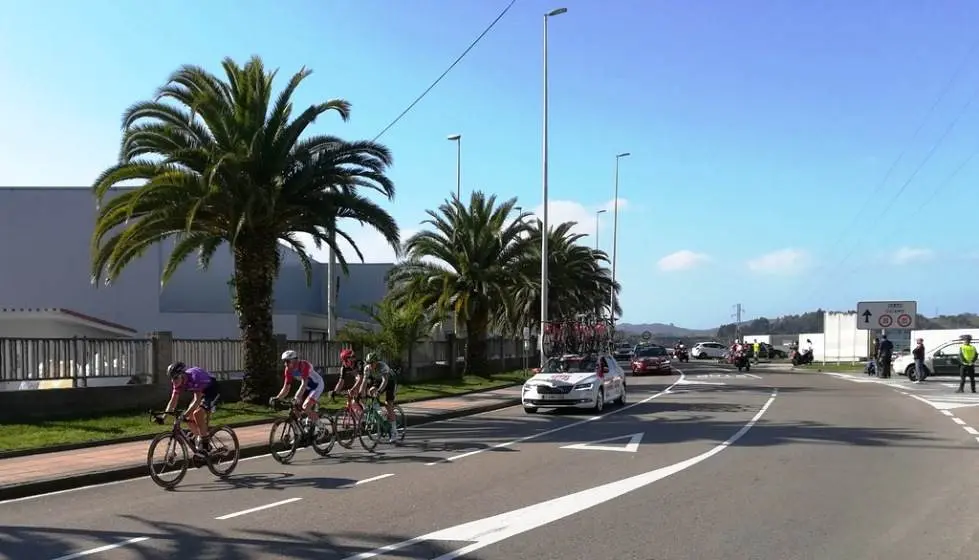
[{"x": 45, "y": 282}]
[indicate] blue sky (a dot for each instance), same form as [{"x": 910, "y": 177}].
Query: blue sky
[{"x": 759, "y": 130}]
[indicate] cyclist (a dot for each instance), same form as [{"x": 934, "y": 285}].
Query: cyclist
[
  {"x": 206, "y": 394},
  {"x": 311, "y": 384},
  {"x": 381, "y": 381},
  {"x": 349, "y": 373}
]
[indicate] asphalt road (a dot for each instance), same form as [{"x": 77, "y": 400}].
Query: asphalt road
[{"x": 771, "y": 465}]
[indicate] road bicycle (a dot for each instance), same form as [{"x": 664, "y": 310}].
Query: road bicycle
[
  {"x": 182, "y": 451},
  {"x": 297, "y": 430},
  {"x": 377, "y": 425},
  {"x": 368, "y": 423}
]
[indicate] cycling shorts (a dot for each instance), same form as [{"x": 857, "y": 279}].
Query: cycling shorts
[
  {"x": 314, "y": 393},
  {"x": 211, "y": 394},
  {"x": 389, "y": 391}
]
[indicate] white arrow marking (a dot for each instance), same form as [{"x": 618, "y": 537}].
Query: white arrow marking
[
  {"x": 631, "y": 447},
  {"x": 682, "y": 381},
  {"x": 491, "y": 530}
]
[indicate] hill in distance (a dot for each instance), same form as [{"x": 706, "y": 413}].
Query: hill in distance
[{"x": 661, "y": 329}]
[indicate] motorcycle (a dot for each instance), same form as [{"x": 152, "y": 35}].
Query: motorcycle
[
  {"x": 682, "y": 354},
  {"x": 800, "y": 359},
  {"x": 741, "y": 360}
]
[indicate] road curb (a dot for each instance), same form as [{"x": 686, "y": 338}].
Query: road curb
[
  {"x": 245, "y": 424},
  {"x": 48, "y": 486}
]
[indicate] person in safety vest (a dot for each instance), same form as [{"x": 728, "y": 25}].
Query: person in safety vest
[
  {"x": 967, "y": 355},
  {"x": 756, "y": 350}
]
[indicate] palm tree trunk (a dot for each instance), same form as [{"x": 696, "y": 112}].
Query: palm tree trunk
[
  {"x": 476, "y": 360},
  {"x": 256, "y": 268}
]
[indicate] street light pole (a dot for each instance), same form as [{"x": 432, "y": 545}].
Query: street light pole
[
  {"x": 544, "y": 227},
  {"x": 598, "y": 214},
  {"x": 457, "y": 138},
  {"x": 615, "y": 234}
]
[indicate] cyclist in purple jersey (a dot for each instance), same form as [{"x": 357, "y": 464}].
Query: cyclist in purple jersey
[{"x": 204, "y": 387}]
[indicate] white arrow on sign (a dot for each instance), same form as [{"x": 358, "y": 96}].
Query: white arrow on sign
[{"x": 631, "y": 447}]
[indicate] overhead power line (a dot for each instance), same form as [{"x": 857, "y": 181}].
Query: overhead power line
[{"x": 447, "y": 70}]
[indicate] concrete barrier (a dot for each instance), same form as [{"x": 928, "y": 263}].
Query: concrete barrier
[{"x": 49, "y": 404}]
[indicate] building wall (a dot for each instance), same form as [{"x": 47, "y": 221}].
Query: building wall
[
  {"x": 51, "y": 268},
  {"x": 935, "y": 337},
  {"x": 50, "y": 328},
  {"x": 47, "y": 262},
  {"x": 842, "y": 341}
]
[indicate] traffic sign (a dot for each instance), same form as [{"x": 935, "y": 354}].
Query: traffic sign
[
  {"x": 646, "y": 335},
  {"x": 872, "y": 315}
]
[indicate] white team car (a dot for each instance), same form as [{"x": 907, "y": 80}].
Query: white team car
[{"x": 575, "y": 381}]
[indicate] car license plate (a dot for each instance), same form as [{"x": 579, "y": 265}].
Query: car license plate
[{"x": 552, "y": 397}]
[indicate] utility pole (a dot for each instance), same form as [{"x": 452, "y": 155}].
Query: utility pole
[{"x": 738, "y": 312}]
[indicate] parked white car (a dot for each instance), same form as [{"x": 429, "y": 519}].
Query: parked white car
[
  {"x": 707, "y": 350},
  {"x": 574, "y": 381},
  {"x": 943, "y": 360}
]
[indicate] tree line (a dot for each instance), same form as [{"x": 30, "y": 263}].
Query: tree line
[
  {"x": 225, "y": 162},
  {"x": 812, "y": 322}
]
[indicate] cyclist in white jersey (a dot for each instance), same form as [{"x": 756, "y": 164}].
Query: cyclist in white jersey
[{"x": 311, "y": 383}]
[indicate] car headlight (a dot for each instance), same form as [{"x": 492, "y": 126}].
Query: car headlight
[
  {"x": 526, "y": 388},
  {"x": 584, "y": 387}
]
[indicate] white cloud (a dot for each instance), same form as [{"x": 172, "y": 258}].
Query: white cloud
[
  {"x": 681, "y": 260},
  {"x": 559, "y": 211},
  {"x": 783, "y": 261},
  {"x": 370, "y": 243},
  {"x": 906, "y": 255}
]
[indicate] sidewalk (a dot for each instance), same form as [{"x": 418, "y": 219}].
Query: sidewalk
[{"x": 53, "y": 471}]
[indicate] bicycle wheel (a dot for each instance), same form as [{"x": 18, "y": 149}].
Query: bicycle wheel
[
  {"x": 400, "y": 423},
  {"x": 325, "y": 436},
  {"x": 224, "y": 453},
  {"x": 345, "y": 428},
  {"x": 284, "y": 440},
  {"x": 370, "y": 430},
  {"x": 175, "y": 454}
]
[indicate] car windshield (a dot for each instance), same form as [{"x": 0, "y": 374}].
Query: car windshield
[
  {"x": 653, "y": 351},
  {"x": 571, "y": 365}
]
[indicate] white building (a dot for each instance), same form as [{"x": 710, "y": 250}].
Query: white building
[{"x": 45, "y": 286}]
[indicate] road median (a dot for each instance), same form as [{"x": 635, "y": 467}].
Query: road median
[{"x": 43, "y": 473}]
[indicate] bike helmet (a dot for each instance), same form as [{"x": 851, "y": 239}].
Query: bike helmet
[
  {"x": 346, "y": 354},
  {"x": 371, "y": 358},
  {"x": 290, "y": 355},
  {"x": 175, "y": 369}
]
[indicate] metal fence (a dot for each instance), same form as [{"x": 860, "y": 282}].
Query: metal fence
[
  {"x": 30, "y": 359},
  {"x": 81, "y": 359}
]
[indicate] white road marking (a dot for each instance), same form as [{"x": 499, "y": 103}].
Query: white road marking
[
  {"x": 105, "y": 548},
  {"x": 631, "y": 447},
  {"x": 371, "y": 479},
  {"x": 971, "y": 430},
  {"x": 558, "y": 429},
  {"x": 958, "y": 421},
  {"x": 259, "y": 508},
  {"x": 491, "y": 530},
  {"x": 692, "y": 382},
  {"x": 752, "y": 375},
  {"x": 947, "y": 412}
]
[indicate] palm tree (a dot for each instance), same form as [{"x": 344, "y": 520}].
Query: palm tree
[
  {"x": 465, "y": 265},
  {"x": 219, "y": 163},
  {"x": 402, "y": 327},
  {"x": 579, "y": 282}
]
